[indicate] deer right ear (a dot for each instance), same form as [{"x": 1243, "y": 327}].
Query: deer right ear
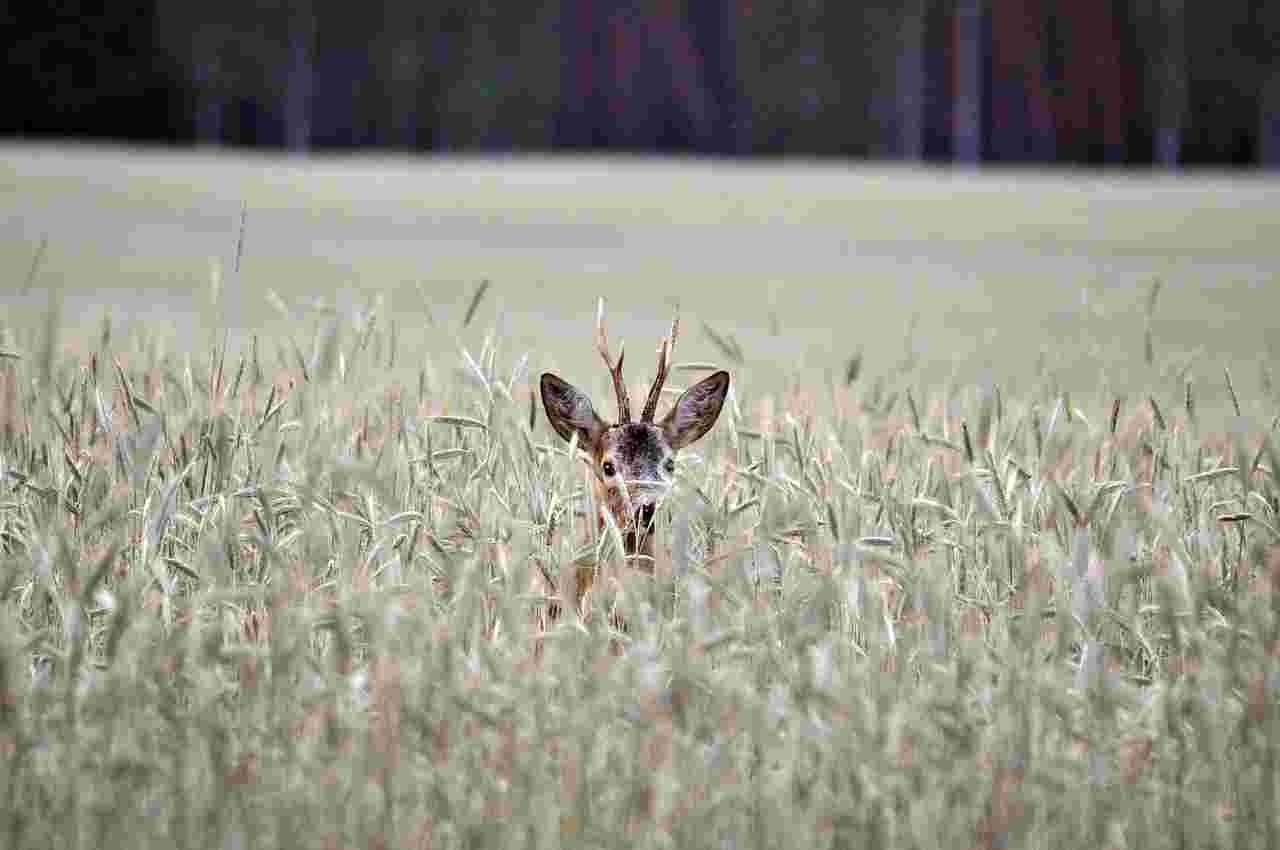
[
  {"x": 569, "y": 410},
  {"x": 696, "y": 410}
]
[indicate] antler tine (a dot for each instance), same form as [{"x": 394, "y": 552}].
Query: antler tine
[
  {"x": 615, "y": 370},
  {"x": 667, "y": 348}
]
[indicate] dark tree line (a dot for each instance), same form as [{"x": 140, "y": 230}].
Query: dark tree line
[{"x": 1137, "y": 81}]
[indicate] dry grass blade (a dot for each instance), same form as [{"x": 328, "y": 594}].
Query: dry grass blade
[
  {"x": 476, "y": 298},
  {"x": 52, "y": 330},
  {"x": 1231, "y": 389},
  {"x": 244, "y": 215},
  {"x": 301, "y": 360},
  {"x": 458, "y": 422},
  {"x": 852, "y": 369},
  {"x": 36, "y": 262},
  {"x": 159, "y": 513},
  {"x": 127, "y": 391},
  {"x": 1076, "y": 517},
  {"x": 915, "y": 413},
  {"x": 1211, "y": 475},
  {"x": 727, "y": 344},
  {"x": 1155, "y": 412},
  {"x": 102, "y": 413},
  {"x": 1152, "y": 295},
  {"x": 1273, "y": 456}
]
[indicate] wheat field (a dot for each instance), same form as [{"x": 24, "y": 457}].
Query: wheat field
[{"x": 983, "y": 552}]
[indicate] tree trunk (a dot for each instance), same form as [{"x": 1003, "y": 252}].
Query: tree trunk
[
  {"x": 581, "y": 73},
  {"x": 910, "y": 77},
  {"x": 206, "y": 75},
  {"x": 966, "y": 115},
  {"x": 711, "y": 28},
  {"x": 1171, "y": 97},
  {"x": 406, "y": 79},
  {"x": 299, "y": 79},
  {"x": 1269, "y": 124}
]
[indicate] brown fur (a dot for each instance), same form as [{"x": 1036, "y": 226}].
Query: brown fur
[{"x": 633, "y": 462}]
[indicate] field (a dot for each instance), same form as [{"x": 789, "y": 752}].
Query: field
[{"x": 983, "y": 552}]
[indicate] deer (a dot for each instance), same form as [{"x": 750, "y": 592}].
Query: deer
[{"x": 633, "y": 463}]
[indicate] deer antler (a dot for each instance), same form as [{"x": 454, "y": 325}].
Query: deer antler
[
  {"x": 664, "y": 360},
  {"x": 619, "y": 385}
]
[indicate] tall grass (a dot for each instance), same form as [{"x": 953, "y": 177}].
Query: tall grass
[{"x": 269, "y": 598}]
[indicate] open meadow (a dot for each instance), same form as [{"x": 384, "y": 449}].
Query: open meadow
[{"x": 983, "y": 552}]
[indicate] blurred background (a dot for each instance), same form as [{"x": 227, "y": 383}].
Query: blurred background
[
  {"x": 1140, "y": 82},
  {"x": 771, "y": 167}
]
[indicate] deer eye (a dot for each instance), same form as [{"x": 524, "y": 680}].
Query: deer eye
[
  {"x": 609, "y": 469},
  {"x": 670, "y": 465}
]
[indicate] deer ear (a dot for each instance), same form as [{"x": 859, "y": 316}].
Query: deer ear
[
  {"x": 569, "y": 410},
  {"x": 696, "y": 411}
]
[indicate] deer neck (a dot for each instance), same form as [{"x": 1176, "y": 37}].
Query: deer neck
[{"x": 637, "y": 548}]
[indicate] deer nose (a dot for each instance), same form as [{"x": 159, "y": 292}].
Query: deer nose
[{"x": 647, "y": 493}]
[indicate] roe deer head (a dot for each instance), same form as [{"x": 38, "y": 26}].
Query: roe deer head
[{"x": 634, "y": 462}]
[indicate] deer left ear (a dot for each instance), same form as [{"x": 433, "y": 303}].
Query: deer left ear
[
  {"x": 696, "y": 411},
  {"x": 569, "y": 410}
]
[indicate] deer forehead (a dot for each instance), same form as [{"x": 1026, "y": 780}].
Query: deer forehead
[{"x": 635, "y": 446}]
